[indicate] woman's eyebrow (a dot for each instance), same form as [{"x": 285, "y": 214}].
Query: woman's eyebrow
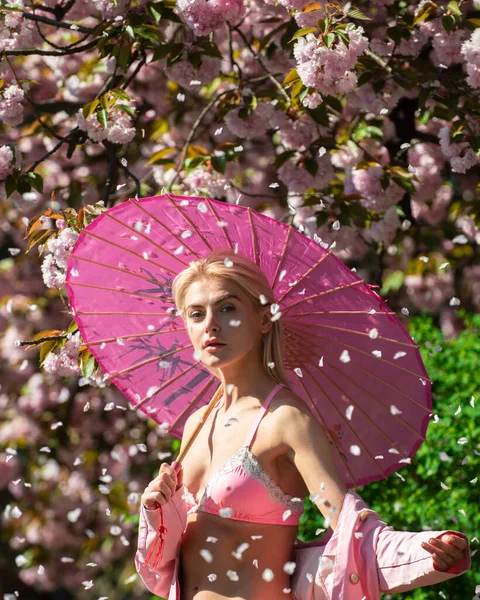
[{"x": 221, "y": 299}]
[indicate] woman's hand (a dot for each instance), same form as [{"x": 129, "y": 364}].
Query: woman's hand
[
  {"x": 446, "y": 551},
  {"x": 161, "y": 489}
]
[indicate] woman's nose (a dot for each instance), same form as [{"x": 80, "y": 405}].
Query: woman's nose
[{"x": 211, "y": 322}]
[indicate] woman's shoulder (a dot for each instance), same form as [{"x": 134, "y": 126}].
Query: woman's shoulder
[{"x": 286, "y": 405}]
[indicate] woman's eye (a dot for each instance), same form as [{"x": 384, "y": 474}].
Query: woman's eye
[{"x": 195, "y": 314}]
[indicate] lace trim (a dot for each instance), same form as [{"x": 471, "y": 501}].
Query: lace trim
[{"x": 247, "y": 460}]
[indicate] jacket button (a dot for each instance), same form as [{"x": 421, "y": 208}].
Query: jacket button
[
  {"x": 354, "y": 578},
  {"x": 364, "y": 515}
]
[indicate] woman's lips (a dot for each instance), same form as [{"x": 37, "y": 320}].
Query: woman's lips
[{"x": 214, "y": 347}]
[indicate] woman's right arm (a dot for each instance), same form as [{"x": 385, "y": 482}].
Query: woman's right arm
[
  {"x": 159, "y": 535},
  {"x": 163, "y": 517}
]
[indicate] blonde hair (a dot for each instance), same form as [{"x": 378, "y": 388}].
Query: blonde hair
[{"x": 254, "y": 283}]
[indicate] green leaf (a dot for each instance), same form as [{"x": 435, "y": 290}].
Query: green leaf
[
  {"x": 356, "y": 13},
  {"x": 161, "y": 51},
  {"x": 375, "y": 132},
  {"x": 23, "y": 186},
  {"x": 10, "y": 185},
  {"x": 89, "y": 108},
  {"x": 89, "y": 367},
  {"x": 160, "y": 154},
  {"x": 455, "y": 8},
  {"x": 283, "y": 157},
  {"x": 404, "y": 184},
  {"x": 36, "y": 181},
  {"x": 328, "y": 39},
  {"x": 334, "y": 103},
  {"x": 210, "y": 48},
  {"x": 395, "y": 33},
  {"x": 45, "y": 350},
  {"x": 244, "y": 113},
  {"x": 475, "y": 22},
  {"x": 302, "y": 32},
  {"x": 193, "y": 163},
  {"x": 296, "y": 89},
  {"x": 384, "y": 181},
  {"x": 195, "y": 59},
  {"x": 155, "y": 13},
  {"x": 291, "y": 77},
  {"x": 392, "y": 282},
  {"x": 251, "y": 101},
  {"x": 149, "y": 32},
  {"x": 344, "y": 37},
  {"x": 129, "y": 30},
  {"x": 102, "y": 118},
  {"x": 311, "y": 166},
  {"x": 319, "y": 114},
  {"x": 128, "y": 109},
  {"x": 219, "y": 163},
  {"x": 322, "y": 25},
  {"x": 448, "y": 22},
  {"x": 120, "y": 94},
  {"x": 364, "y": 78},
  {"x": 428, "y": 10},
  {"x": 124, "y": 57}
]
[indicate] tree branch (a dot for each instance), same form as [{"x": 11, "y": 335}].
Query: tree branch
[
  {"x": 47, "y": 338},
  {"x": 192, "y": 132},
  {"x": 88, "y": 46},
  {"x": 258, "y": 56},
  {"x": 60, "y": 24}
]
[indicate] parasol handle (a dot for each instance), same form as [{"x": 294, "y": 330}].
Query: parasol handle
[{"x": 212, "y": 403}]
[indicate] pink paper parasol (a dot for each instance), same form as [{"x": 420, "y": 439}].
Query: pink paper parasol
[{"x": 347, "y": 355}]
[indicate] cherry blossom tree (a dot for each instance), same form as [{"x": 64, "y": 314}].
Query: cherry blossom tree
[{"x": 358, "y": 124}]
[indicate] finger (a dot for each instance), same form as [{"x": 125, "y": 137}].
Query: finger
[
  {"x": 441, "y": 564},
  {"x": 179, "y": 472},
  {"x": 458, "y": 541},
  {"x": 447, "y": 549},
  {"x": 153, "y": 500},
  {"x": 165, "y": 489},
  {"x": 428, "y": 547},
  {"x": 169, "y": 470},
  {"x": 171, "y": 485}
]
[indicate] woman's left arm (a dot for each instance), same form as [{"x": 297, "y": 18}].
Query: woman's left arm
[{"x": 310, "y": 452}]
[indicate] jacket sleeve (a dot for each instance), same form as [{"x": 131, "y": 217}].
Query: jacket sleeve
[
  {"x": 159, "y": 536},
  {"x": 403, "y": 565}
]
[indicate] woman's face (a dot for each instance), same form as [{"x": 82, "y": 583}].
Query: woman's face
[{"x": 218, "y": 308}]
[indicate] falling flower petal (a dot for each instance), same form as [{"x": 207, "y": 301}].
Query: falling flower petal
[
  {"x": 267, "y": 575},
  {"x": 206, "y": 555}
]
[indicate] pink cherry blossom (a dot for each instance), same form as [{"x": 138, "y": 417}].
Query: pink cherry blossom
[
  {"x": 204, "y": 17},
  {"x": 428, "y": 162},
  {"x": 329, "y": 70},
  {"x": 7, "y": 161},
  {"x": 432, "y": 210},
  {"x": 298, "y": 179},
  {"x": 461, "y": 155},
  {"x": 11, "y": 107},
  {"x": 192, "y": 78},
  {"x": 367, "y": 183},
  {"x": 256, "y": 124}
]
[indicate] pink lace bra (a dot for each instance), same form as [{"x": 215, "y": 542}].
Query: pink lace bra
[{"x": 241, "y": 490}]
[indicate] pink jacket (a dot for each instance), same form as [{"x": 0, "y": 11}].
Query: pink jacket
[{"x": 361, "y": 558}]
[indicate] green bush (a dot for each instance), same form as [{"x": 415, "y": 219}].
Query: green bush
[{"x": 420, "y": 502}]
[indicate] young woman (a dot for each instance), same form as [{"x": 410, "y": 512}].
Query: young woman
[{"x": 242, "y": 483}]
